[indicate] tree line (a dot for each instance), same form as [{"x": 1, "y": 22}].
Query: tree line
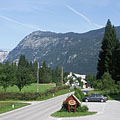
[
  {"x": 25, "y": 73},
  {"x": 108, "y": 67}
]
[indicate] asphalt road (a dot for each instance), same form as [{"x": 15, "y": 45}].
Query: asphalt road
[
  {"x": 42, "y": 111},
  {"x": 38, "y": 111}
]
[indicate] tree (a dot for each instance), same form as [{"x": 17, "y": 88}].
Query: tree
[
  {"x": 90, "y": 79},
  {"x": 23, "y": 61},
  {"x": 116, "y": 64},
  {"x": 80, "y": 82},
  {"x": 7, "y": 75},
  {"x": 45, "y": 74},
  {"x": 24, "y": 78},
  {"x": 35, "y": 68},
  {"x": 79, "y": 94},
  {"x": 24, "y": 74},
  {"x": 107, "y": 81},
  {"x": 109, "y": 42},
  {"x": 56, "y": 75}
]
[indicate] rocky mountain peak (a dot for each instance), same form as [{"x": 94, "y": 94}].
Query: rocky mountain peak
[{"x": 74, "y": 51}]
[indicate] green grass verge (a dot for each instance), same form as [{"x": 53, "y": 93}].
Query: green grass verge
[
  {"x": 113, "y": 97},
  {"x": 60, "y": 92},
  {"x": 31, "y": 88},
  {"x": 7, "y": 106},
  {"x": 71, "y": 114}
]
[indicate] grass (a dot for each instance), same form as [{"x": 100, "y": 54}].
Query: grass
[
  {"x": 31, "y": 88},
  {"x": 113, "y": 97},
  {"x": 7, "y": 106},
  {"x": 60, "y": 92},
  {"x": 71, "y": 114}
]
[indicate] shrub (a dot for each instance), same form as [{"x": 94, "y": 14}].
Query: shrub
[
  {"x": 83, "y": 108},
  {"x": 79, "y": 94},
  {"x": 29, "y": 96},
  {"x": 58, "y": 84},
  {"x": 64, "y": 107}
]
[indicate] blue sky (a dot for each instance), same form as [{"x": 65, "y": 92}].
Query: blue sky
[{"x": 18, "y": 18}]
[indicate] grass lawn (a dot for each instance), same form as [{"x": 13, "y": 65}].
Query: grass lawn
[
  {"x": 31, "y": 88},
  {"x": 71, "y": 114},
  {"x": 60, "y": 92},
  {"x": 7, "y": 106}
]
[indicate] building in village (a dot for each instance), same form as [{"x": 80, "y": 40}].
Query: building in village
[{"x": 75, "y": 83}]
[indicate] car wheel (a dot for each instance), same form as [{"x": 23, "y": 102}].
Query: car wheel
[
  {"x": 102, "y": 100},
  {"x": 86, "y": 100}
]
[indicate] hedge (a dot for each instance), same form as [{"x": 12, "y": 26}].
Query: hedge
[{"x": 29, "y": 96}]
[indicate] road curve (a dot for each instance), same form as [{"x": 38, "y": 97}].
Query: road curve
[
  {"x": 43, "y": 109},
  {"x": 38, "y": 111}
]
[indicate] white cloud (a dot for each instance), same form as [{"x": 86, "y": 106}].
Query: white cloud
[
  {"x": 83, "y": 16},
  {"x": 20, "y": 23}
]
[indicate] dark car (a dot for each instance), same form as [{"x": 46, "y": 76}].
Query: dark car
[{"x": 95, "y": 98}]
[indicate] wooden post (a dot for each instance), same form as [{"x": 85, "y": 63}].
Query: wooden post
[
  {"x": 38, "y": 78},
  {"x": 62, "y": 75}
]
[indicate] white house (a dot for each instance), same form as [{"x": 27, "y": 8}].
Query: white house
[{"x": 74, "y": 76}]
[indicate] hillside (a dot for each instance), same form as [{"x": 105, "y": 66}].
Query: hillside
[
  {"x": 3, "y": 55},
  {"x": 76, "y": 52}
]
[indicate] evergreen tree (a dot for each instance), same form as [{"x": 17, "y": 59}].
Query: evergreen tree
[
  {"x": 107, "y": 82},
  {"x": 23, "y": 61},
  {"x": 24, "y": 74},
  {"x": 45, "y": 74},
  {"x": 109, "y": 42},
  {"x": 116, "y": 64},
  {"x": 56, "y": 75},
  {"x": 90, "y": 78}
]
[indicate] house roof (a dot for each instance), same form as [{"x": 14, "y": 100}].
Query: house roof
[
  {"x": 74, "y": 97},
  {"x": 78, "y": 75}
]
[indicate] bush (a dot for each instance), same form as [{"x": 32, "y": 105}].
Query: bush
[
  {"x": 79, "y": 94},
  {"x": 84, "y": 108},
  {"x": 58, "y": 84},
  {"x": 64, "y": 107},
  {"x": 29, "y": 96}
]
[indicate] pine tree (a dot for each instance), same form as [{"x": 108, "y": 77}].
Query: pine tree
[
  {"x": 24, "y": 74},
  {"x": 109, "y": 42},
  {"x": 23, "y": 61},
  {"x": 116, "y": 64},
  {"x": 45, "y": 74}
]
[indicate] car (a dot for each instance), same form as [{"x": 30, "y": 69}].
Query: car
[{"x": 95, "y": 98}]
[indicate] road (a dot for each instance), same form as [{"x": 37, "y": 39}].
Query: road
[
  {"x": 43, "y": 109},
  {"x": 38, "y": 111}
]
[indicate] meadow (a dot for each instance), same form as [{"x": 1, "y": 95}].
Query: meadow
[
  {"x": 31, "y": 88},
  {"x": 7, "y": 106}
]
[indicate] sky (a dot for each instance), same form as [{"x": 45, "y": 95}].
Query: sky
[{"x": 19, "y": 18}]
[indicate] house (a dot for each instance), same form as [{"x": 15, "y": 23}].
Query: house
[{"x": 75, "y": 76}]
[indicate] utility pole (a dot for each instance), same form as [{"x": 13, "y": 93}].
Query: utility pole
[
  {"x": 62, "y": 75},
  {"x": 38, "y": 77}
]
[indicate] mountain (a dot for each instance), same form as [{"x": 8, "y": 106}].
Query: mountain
[
  {"x": 3, "y": 55},
  {"x": 76, "y": 52}
]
